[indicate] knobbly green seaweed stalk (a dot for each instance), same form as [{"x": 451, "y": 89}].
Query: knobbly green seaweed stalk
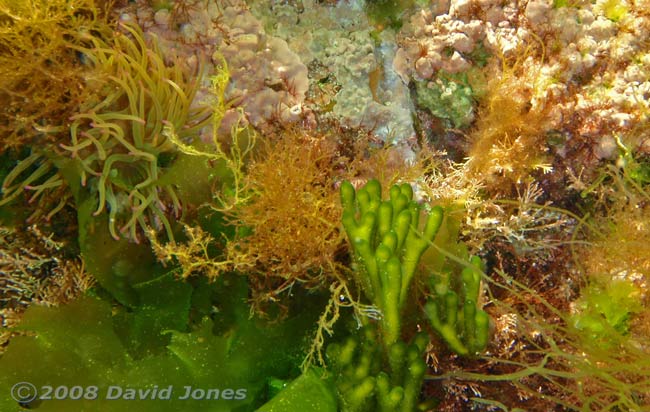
[
  {"x": 387, "y": 245},
  {"x": 463, "y": 327},
  {"x": 361, "y": 382},
  {"x": 388, "y": 239}
]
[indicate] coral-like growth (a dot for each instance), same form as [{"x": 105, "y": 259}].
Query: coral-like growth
[
  {"x": 448, "y": 97},
  {"x": 41, "y": 74},
  {"x": 268, "y": 80}
]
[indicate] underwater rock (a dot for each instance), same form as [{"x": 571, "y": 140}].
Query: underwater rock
[
  {"x": 358, "y": 59},
  {"x": 268, "y": 80}
]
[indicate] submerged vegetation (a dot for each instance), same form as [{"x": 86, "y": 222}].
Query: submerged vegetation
[
  {"x": 291, "y": 212},
  {"x": 508, "y": 141},
  {"x": 151, "y": 235},
  {"x": 41, "y": 73}
]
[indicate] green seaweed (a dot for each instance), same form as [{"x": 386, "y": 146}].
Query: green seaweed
[
  {"x": 457, "y": 317},
  {"x": 604, "y": 310},
  {"x": 163, "y": 304},
  {"x": 84, "y": 344},
  {"x": 377, "y": 369},
  {"x": 387, "y": 243},
  {"x": 308, "y": 392},
  {"x": 389, "y": 13},
  {"x": 362, "y": 382}
]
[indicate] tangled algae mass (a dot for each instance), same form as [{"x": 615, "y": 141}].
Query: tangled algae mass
[{"x": 309, "y": 205}]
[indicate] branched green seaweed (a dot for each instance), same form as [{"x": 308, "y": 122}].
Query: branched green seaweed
[
  {"x": 387, "y": 244},
  {"x": 458, "y": 319},
  {"x": 378, "y": 369},
  {"x": 363, "y": 384}
]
